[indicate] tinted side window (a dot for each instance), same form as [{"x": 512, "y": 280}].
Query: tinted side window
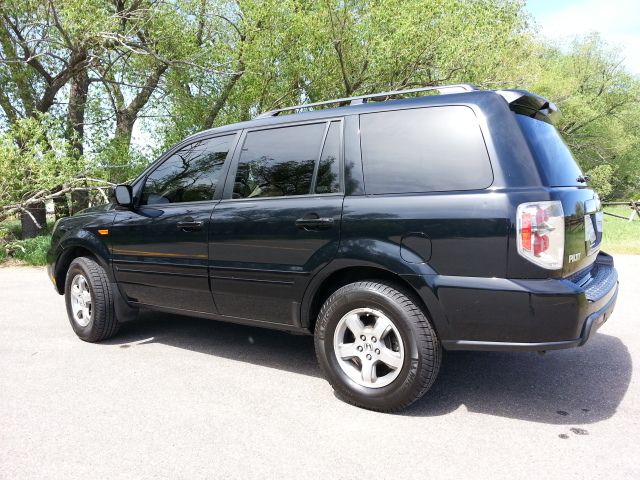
[
  {"x": 424, "y": 150},
  {"x": 278, "y": 162},
  {"x": 189, "y": 175},
  {"x": 328, "y": 179}
]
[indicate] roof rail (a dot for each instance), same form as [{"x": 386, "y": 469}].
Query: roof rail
[{"x": 443, "y": 89}]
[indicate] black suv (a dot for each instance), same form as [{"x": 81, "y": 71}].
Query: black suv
[{"x": 388, "y": 227}]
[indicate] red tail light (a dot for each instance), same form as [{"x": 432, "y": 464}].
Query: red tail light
[
  {"x": 525, "y": 231},
  {"x": 540, "y": 233}
]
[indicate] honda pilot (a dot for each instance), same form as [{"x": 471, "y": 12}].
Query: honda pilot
[{"x": 390, "y": 226}]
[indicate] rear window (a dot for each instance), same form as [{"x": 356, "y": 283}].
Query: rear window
[
  {"x": 550, "y": 152},
  {"x": 424, "y": 150}
]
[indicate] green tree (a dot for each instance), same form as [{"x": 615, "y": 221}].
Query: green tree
[
  {"x": 93, "y": 71},
  {"x": 35, "y": 152},
  {"x": 600, "y": 107}
]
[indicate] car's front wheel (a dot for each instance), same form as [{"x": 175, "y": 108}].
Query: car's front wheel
[
  {"x": 376, "y": 346},
  {"x": 89, "y": 301}
]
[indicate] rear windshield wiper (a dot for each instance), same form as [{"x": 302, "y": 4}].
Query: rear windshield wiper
[{"x": 583, "y": 178}]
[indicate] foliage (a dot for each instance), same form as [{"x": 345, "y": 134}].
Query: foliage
[
  {"x": 600, "y": 108},
  {"x": 39, "y": 163},
  {"x": 100, "y": 87},
  {"x": 290, "y": 51},
  {"x": 600, "y": 179},
  {"x": 9, "y": 230},
  {"x": 34, "y": 152},
  {"x": 32, "y": 251}
]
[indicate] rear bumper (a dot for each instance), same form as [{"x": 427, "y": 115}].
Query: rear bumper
[
  {"x": 592, "y": 323},
  {"x": 523, "y": 315},
  {"x": 597, "y": 318}
]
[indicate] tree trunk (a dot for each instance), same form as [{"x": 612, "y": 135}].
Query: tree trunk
[
  {"x": 29, "y": 228},
  {"x": 78, "y": 92},
  {"x": 124, "y": 128},
  {"x": 75, "y": 114},
  {"x": 61, "y": 207},
  {"x": 119, "y": 168},
  {"x": 79, "y": 201},
  {"x": 222, "y": 99},
  {"x": 126, "y": 118}
]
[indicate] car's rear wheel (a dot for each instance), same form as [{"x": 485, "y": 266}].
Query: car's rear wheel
[
  {"x": 89, "y": 301},
  {"x": 376, "y": 346}
]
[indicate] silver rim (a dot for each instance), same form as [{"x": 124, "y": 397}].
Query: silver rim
[
  {"x": 81, "y": 302},
  {"x": 368, "y": 347}
]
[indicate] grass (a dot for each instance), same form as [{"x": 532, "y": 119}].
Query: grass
[
  {"x": 620, "y": 236},
  {"x": 32, "y": 251}
]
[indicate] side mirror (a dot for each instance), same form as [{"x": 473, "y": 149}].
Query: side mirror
[{"x": 123, "y": 195}]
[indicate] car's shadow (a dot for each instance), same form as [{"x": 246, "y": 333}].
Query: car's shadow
[{"x": 576, "y": 386}]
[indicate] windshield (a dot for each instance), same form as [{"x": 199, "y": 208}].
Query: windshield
[{"x": 550, "y": 152}]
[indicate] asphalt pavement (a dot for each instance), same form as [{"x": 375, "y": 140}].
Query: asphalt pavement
[{"x": 180, "y": 398}]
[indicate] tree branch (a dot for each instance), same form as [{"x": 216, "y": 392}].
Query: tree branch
[
  {"x": 221, "y": 100},
  {"x": 77, "y": 62},
  {"x": 142, "y": 97},
  {"x": 29, "y": 58},
  {"x": 45, "y": 195}
]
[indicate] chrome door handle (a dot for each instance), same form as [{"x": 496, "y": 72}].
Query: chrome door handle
[
  {"x": 190, "y": 226},
  {"x": 319, "y": 223}
]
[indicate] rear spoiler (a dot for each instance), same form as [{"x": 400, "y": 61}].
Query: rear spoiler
[{"x": 530, "y": 104}]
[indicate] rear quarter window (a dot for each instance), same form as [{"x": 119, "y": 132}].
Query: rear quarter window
[{"x": 431, "y": 149}]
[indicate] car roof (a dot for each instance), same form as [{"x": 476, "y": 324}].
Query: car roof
[{"x": 470, "y": 97}]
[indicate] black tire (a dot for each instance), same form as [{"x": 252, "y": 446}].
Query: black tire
[
  {"x": 422, "y": 351},
  {"x": 103, "y": 323}
]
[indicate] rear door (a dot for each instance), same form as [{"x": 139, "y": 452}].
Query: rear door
[
  {"x": 279, "y": 221},
  {"x": 159, "y": 249}
]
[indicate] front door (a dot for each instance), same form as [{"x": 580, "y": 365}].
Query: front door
[
  {"x": 159, "y": 249},
  {"x": 279, "y": 222}
]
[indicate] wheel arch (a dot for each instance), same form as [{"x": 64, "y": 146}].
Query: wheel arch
[
  {"x": 80, "y": 247},
  {"x": 322, "y": 287}
]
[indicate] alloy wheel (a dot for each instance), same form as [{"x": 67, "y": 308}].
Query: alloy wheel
[
  {"x": 81, "y": 301},
  {"x": 368, "y": 347}
]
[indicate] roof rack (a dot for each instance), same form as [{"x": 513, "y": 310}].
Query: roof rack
[{"x": 443, "y": 89}]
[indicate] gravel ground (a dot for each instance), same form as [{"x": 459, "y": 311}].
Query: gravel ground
[{"x": 173, "y": 397}]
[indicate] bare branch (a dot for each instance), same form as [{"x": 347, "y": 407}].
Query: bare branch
[
  {"x": 45, "y": 195},
  {"x": 235, "y": 27},
  {"x": 139, "y": 48},
  {"x": 57, "y": 24},
  {"x": 141, "y": 99},
  {"x": 33, "y": 219},
  {"x": 29, "y": 58}
]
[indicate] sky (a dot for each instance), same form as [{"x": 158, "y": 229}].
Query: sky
[{"x": 618, "y": 21}]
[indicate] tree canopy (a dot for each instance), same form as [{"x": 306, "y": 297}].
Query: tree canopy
[{"x": 85, "y": 77}]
